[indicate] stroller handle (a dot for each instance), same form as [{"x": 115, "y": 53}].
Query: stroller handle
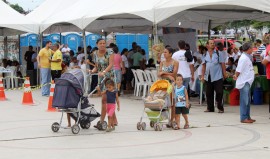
[{"x": 95, "y": 88}]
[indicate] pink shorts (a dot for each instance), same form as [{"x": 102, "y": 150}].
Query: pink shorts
[{"x": 110, "y": 109}]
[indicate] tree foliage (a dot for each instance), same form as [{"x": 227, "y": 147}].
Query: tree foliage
[{"x": 16, "y": 7}]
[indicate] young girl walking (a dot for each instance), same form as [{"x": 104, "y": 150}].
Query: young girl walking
[
  {"x": 181, "y": 102},
  {"x": 112, "y": 99}
]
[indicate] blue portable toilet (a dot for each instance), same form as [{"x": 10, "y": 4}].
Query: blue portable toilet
[
  {"x": 73, "y": 40},
  {"x": 91, "y": 39},
  {"x": 54, "y": 37},
  {"x": 126, "y": 40},
  {"x": 27, "y": 40}
]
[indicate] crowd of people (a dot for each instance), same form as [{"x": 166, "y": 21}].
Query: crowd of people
[{"x": 211, "y": 64}]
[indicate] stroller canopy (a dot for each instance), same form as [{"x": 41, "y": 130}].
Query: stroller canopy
[
  {"x": 161, "y": 85},
  {"x": 76, "y": 77}
]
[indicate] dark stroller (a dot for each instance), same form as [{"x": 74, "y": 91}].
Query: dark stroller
[{"x": 68, "y": 98}]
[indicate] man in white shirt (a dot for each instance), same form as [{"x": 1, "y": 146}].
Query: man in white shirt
[
  {"x": 65, "y": 50},
  {"x": 244, "y": 77},
  {"x": 186, "y": 63}
]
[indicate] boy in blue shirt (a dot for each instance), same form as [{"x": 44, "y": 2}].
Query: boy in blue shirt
[{"x": 181, "y": 102}]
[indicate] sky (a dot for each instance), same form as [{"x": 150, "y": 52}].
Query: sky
[{"x": 27, "y": 4}]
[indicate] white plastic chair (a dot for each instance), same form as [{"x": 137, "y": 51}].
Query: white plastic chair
[
  {"x": 136, "y": 86},
  {"x": 150, "y": 76},
  {"x": 142, "y": 82},
  {"x": 155, "y": 76},
  {"x": 8, "y": 79},
  {"x": 150, "y": 79}
]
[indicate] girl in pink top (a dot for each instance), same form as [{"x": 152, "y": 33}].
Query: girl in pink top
[{"x": 118, "y": 64}]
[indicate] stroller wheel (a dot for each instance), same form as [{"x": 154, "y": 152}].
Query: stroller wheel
[
  {"x": 139, "y": 126},
  {"x": 174, "y": 125},
  {"x": 101, "y": 126},
  {"x": 55, "y": 127},
  {"x": 87, "y": 125},
  {"x": 152, "y": 123},
  {"x": 143, "y": 125},
  {"x": 75, "y": 129},
  {"x": 160, "y": 127},
  {"x": 156, "y": 127},
  {"x": 104, "y": 125}
]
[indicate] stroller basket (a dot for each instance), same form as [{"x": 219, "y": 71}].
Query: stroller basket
[
  {"x": 152, "y": 115},
  {"x": 89, "y": 114}
]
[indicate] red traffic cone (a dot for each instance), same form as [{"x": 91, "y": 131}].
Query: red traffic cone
[
  {"x": 2, "y": 90},
  {"x": 27, "y": 95},
  {"x": 50, "y": 108}
]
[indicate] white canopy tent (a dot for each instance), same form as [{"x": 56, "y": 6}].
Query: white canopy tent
[
  {"x": 118, "y": 14},
  {"x": 14, "y": 23}
]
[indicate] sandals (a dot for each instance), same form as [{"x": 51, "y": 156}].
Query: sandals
[
  {"x": 176, "y": 128},
  {"x": 186, "y": 126},
  {"x": 208, "y": 111},
  {"x": 221, "y": 111}
]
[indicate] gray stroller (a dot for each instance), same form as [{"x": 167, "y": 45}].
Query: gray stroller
[{"x": 68, "y": 98}]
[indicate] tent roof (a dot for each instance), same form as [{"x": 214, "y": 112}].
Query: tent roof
[
  {"x": 13, "y": 23},
  {"x": 140, "y": 15}
]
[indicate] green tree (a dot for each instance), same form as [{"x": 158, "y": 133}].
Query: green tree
[{"x": 17, "y": 8}]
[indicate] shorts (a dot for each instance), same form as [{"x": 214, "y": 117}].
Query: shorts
[
  {"x": 181, "y": 110},
  {"x": 118, "y": 76},
  {"x": 110, "y": 109}
]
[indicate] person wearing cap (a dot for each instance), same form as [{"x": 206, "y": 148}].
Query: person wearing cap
[
  {"x": 56, "y": 62},
  {"x": 244, "y": 76}
]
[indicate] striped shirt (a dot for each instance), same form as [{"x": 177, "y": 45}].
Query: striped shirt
[{"x": 260, "y": 50}]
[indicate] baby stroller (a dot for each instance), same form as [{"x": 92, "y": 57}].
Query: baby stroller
[
  {"x": 156, "y": 106},
  {"x": 68, "y": 98}
]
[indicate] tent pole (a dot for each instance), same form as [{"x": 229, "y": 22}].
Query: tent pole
[
  {"x": 209, "y": 29},
  {"x": 85, "y": 58},
  {"x": 5, "y": 47},
  {"x": 38, "y": 49},
  {"x": 60, "y": 38},
  {"x": 155, "y": 32},
  {"x": 84, "y": 44},
  {"x": 226, "y": 38},
  {"x": 19, "y": 45}
]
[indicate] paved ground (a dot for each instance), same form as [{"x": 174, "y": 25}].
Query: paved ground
[{"x": 25, "y": 133}]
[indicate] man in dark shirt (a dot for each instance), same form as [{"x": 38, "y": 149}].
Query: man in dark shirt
[{"x": 28, "y": 58}]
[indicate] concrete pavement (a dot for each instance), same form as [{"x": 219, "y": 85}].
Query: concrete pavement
[{"x": 25, "y": 132}]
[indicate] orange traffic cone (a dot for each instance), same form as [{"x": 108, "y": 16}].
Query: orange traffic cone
[
  {"x": 2, "y": 90},
  {"x": 50, "y": 108},
  {"x": 27, "y": 95}
]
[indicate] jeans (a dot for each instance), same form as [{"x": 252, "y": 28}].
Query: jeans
[
  {"x": 245, "y": 102},
  {"x": 45, "y": 78},
  {"x": 216, "y": 86},
  {"x": 186, "y": 82}
]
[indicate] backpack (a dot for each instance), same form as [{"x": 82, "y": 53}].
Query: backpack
[{"x": 188, "y": 56}]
